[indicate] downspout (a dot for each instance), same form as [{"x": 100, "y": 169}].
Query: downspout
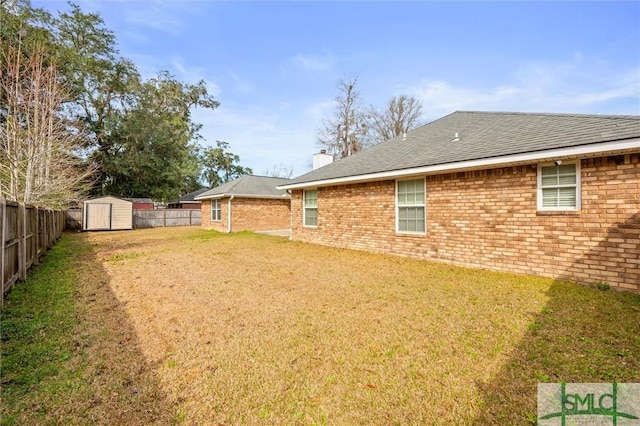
[
  {"x": 229, "y": 215},
  {"x": 290, "y": 215}
]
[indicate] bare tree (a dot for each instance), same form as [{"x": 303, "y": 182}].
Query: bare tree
[
  {"x": 38, "y": 142},
  {"x": 279, "y": 171},
  {"x": 401, "y": 114},
  {"x": 343, "y": 134}
]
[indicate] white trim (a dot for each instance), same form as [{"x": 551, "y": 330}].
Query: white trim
[
  {"x": 604, "y": 149},
  {"x": 424, "y": 205},
  {"x": 578, "y": 186},
  {"x": 269, "y": 197}
]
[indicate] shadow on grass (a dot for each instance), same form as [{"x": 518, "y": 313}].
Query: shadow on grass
[
  {"x": 583, "y": 335},
  {"x": 70, "y": 351}
]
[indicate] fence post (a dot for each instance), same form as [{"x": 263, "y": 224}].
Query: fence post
[
  {"x": 22, "y": 244},
  {"x": 3, "y": 219},
  {"x": 35, "y": 230}
]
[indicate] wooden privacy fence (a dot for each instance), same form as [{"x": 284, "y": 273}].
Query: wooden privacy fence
[
  {"x": 27, "y": 232},
  {"x": 166, "y": 217},
  {"x": 148, "y": 218}
]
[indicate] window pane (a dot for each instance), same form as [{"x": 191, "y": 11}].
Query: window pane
[
  {"x": 311, "y": 217},
  {"x": 411, "y": 192},
  {"x": 549, "y": 180},
  {"x": 559, "y": 175},
  {"x": 566, "y": 197},
  {"x": 311, "y": 198},
  {"x": 567, "y": 179},
  {"x": 549, "y": 197},
  {"x": 567, "y": 169},
  {"x": 411, "y": 219}
]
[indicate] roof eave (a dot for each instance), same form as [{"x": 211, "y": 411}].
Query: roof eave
[
  {"x": 604, "y": 148},
  {"x": 218, "y": 196}
]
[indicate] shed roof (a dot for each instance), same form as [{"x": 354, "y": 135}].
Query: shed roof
[
  {"x": 473, "y": 136},
  {"x": 248, "y": 186},
  {"x": 107, "y": 198}
]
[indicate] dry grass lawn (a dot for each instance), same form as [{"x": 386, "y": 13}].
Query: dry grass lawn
[{"x": 196, "y": 327}]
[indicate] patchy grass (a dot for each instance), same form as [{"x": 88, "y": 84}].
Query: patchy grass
[
  {"x": 69, "y": 354},
  {"x": 211, "y": 328}
]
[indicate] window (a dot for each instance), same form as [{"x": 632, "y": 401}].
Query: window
[
  {"x": 216, "y": 212},
  {"x": 311, "y": 208},
  {"x": 559, "y": 187},
  {"x": 410, "y": 206}
]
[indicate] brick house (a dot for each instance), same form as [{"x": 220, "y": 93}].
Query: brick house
[
  {"x": 555, "y": 195},
  {"x": 248, "y": 203},
  {"x": 142, "y": 203},
  {"x": 188, "y": 201}
]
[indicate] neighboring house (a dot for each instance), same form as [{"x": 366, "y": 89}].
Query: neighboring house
[
  {"x": 142, "y": 203},
  {"x": 248, "y": 203},
  {"x": 555, "y": 195},
  {"x": 187, "y": 201}
]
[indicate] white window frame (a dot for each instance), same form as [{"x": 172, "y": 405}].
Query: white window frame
[
  {"x": 577, "y": 186},
  {"x": 305, "y": 208},
  {"x": 423, "y": 205},
  {"x": 218, "y": 209}
]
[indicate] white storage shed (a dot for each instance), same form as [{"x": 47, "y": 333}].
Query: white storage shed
[{"x": 107, "y": 213}]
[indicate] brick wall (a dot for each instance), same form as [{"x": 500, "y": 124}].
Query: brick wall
[
  {"x": 489, "y": 219},
  {"x": 207, "y": 223},
  {"x": 249, "y": 214},
  {"x": 260, "y": 214}
]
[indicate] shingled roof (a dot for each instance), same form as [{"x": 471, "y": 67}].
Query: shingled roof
[
  {"x": 248, "y": 186},
  {"x": 190, "y": 197},
  {"x": 465, "y": 138}
]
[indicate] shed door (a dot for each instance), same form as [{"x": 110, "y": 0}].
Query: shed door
[{"x": 98, "y": 216}]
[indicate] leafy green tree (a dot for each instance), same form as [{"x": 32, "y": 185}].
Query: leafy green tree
[
  {"x": 138, "y": 134},
  {"x": 152, "y": 150},
  {"x": 220, "y": 165},
  {"x": 102, "y": 82}
]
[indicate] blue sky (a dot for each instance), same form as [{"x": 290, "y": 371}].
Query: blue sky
[{"x": 274, "y": 66}]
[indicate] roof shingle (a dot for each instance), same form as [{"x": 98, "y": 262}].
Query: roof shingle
[
  {"x": 481, "y": 135},
  {"x": 248, "y": 186}
]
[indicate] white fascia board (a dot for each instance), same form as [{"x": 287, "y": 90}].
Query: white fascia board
[
  {"x": 265, "y": 197},
  {"x": 210, "y": 197},
  {"x": 607, "y": 148}
]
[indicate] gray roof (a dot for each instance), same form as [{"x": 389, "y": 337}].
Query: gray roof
[
  {"x": 482, "y": 135},
  {"x": 248, "y": 186},
  {"x": 187, "y": 198}
]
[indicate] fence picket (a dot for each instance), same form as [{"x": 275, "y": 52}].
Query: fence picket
[{"x": 26, "y": 233}]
